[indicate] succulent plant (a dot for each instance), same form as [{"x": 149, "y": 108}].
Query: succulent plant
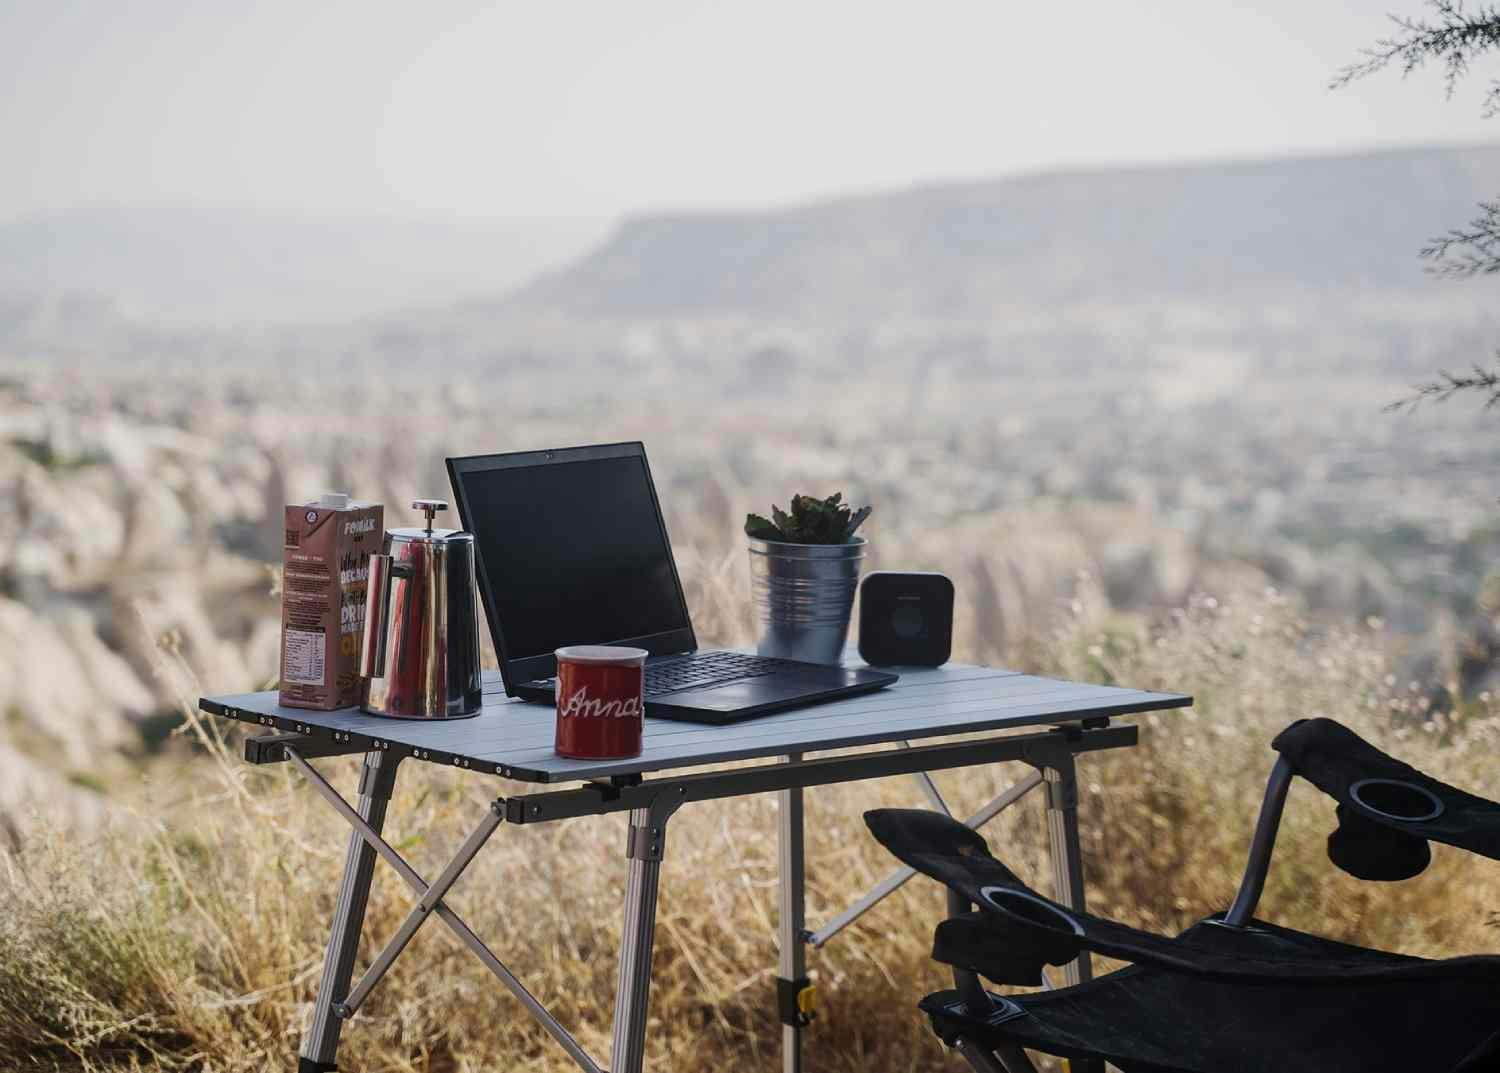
[{"x": 811, "y": 521}]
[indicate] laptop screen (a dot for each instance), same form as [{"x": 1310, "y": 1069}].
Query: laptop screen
[{"x": 573, "y": 552}]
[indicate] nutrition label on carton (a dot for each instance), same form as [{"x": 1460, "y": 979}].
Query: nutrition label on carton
[
  {"x": 324, "y": 582},
  {"x": 305, "y": 652}
]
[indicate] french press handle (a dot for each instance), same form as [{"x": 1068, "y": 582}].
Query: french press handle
[
  {"x": 377, "y": 607},
  {"x": 429, "y": 507}
]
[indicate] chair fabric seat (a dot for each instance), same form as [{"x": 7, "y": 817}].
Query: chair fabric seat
[{"x": 1148, "y": 1019}]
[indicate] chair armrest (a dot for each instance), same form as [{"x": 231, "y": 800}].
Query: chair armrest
[
  {"x": 1006, "y": 955},
  {"x": 1387, "y": 809},
  {"x": 1028, "y": 929}
]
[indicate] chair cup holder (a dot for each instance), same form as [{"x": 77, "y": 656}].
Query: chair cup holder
[
  {"x": 1368, "y": 849},
  {"x": 1031, "y": 908},
  {"x": 1392, "y": 799},
  {"x": 1015, "y": 953}
]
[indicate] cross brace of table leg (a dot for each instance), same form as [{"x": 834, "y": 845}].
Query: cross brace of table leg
[
  {"x": 924, "y": 780},
  {"x": 893, "y": 882},
  {"x": 447, "y": 916},
  {"x": 424, "y": 908}
]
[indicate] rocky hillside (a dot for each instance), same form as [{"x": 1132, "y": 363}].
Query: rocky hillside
[{"x": 978, "y": 249}]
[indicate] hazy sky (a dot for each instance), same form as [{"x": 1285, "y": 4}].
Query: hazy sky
[{"x": 585, "y": 110}]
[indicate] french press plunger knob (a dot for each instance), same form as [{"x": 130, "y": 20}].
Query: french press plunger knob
[{"x": 428, "y": 507}]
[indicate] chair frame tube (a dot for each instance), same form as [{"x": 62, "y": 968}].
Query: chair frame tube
[{"x": 1261, "y": 846}]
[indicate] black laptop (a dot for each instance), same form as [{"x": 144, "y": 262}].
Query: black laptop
[{"x": 573, "y": 550}]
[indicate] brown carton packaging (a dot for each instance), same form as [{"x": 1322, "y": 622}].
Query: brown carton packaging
[{"x": 325, "y": 571}]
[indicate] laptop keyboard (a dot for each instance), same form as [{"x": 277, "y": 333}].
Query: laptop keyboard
[{"x": 702, "y": 670}]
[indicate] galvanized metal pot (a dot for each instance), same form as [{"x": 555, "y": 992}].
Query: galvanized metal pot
[{"x": 803, "y": 595}]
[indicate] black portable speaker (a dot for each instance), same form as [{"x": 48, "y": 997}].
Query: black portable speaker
[{"x": 905, "y": 619}]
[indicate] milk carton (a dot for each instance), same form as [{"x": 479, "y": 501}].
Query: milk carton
[{"x": 325, "y": 571}]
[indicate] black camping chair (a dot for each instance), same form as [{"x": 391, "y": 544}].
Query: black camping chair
[{"x": 1232, "y": 994}]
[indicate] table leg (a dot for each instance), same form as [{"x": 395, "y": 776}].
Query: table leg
[
  {"x": 637, "y": 937},
  {"x": 792, "y": 924},
  {"x": 320, "y": 1045},
  {"x": 1061, "y": 777}
]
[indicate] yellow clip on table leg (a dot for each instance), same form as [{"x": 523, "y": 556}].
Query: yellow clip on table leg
[{"x": 807, "y": 1001}]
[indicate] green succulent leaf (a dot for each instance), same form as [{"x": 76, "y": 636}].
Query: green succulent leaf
[
  {"x": 811, "y": 521},
  {"x": 762, "y": 529}
]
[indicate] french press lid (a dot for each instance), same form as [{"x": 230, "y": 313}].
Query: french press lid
[{"x": 429, "y": 535}]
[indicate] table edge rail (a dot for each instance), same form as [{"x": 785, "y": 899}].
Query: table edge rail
[{"x": 354, "y": 741}]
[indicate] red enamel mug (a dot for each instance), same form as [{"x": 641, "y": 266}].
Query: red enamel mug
[{"x": 601, "y": 705}]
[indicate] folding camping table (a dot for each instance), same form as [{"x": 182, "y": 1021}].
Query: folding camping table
[{"x": 869, "y": 737}]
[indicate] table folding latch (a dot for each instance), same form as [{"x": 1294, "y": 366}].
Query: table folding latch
[
  {"x": 644, "y": 842},
  {"x": 609, "y": 789},
  {"x": 271, "y": 748},
  {"x": 796, "y": 1002}
]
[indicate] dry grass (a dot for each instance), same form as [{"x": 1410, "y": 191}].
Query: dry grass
[{"x": 195, "y": 943}]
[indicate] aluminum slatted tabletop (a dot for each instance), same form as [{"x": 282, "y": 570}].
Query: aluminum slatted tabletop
[{"x": 1000, "y": 715}]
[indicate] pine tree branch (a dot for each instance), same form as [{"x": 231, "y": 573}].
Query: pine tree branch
[
  {"x": 1449, "y": 384},
  {"x": 1454, "y": 39},
  {"x": 1471, "y": 250}
]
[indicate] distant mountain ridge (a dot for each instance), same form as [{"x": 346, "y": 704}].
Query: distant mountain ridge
[{"x": 964, "y": 248}]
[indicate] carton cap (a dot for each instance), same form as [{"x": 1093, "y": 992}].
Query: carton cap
[{"x": 335, "y": 500}]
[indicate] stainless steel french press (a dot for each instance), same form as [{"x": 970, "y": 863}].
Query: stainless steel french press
[{"x": 420, "y": 654}]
